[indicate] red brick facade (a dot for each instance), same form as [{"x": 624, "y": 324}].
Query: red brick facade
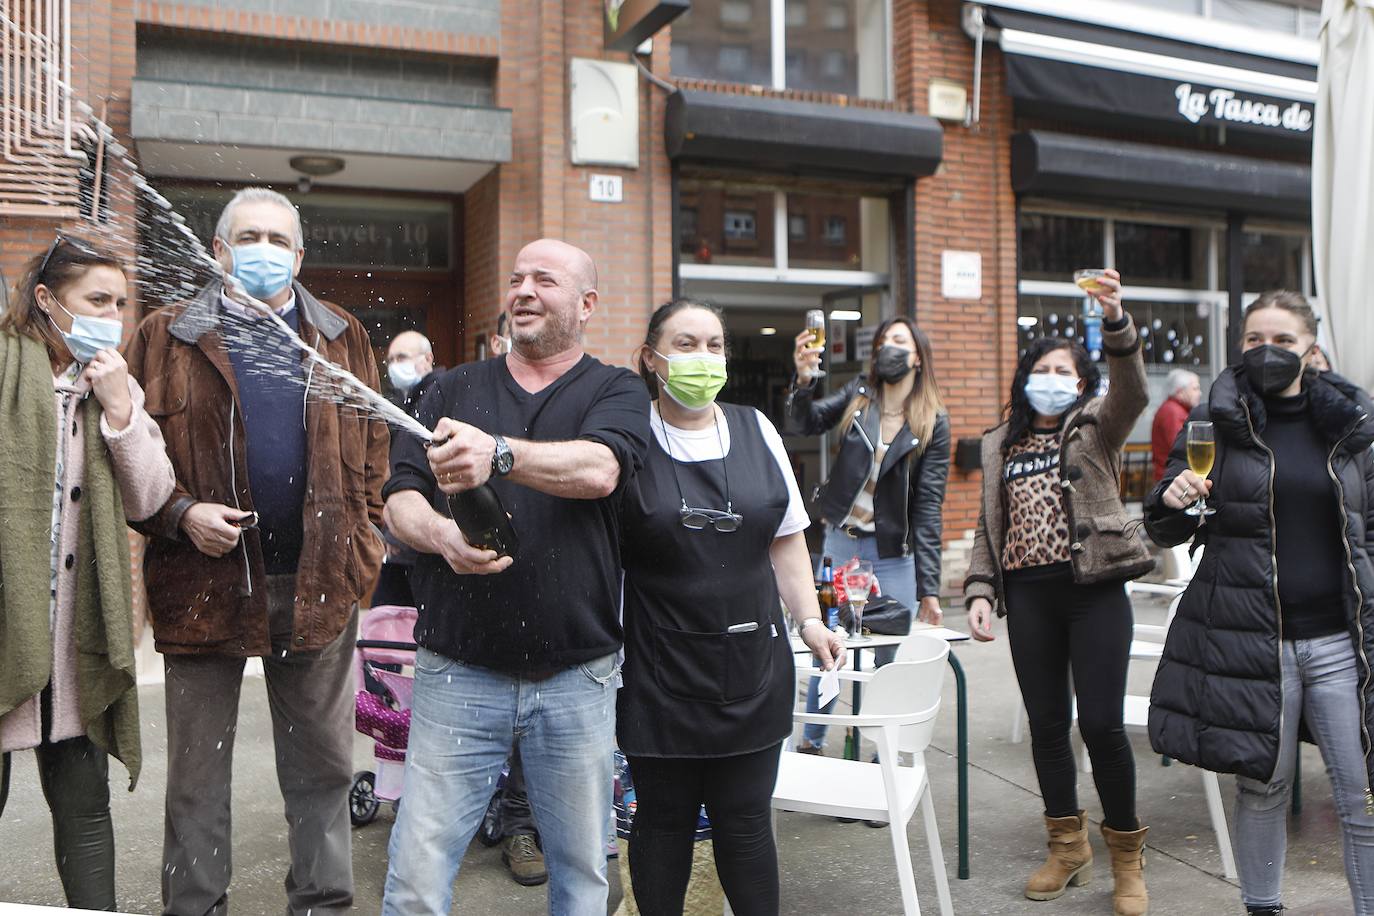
[{"x": 967, "y": 205}]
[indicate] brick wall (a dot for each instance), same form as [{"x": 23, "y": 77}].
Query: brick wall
[{"x": 543, "y": 194}]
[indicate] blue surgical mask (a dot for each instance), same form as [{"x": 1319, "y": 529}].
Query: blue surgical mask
[
  {"x": 1049, "y": 394},
  {"x": 264, "y": 269},
  {"x": 89, "y": 335},
  {"x": 403, "y": 375}
]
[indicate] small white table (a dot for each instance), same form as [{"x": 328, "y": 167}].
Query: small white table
[{"x": 961, "y": 708}]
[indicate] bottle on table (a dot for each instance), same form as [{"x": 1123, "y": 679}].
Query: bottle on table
[{"x": 830, "y": 609}]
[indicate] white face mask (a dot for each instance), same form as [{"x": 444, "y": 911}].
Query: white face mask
[
  {"x": 403, "y": 375},
  {"x": 1049, "y": 394}
]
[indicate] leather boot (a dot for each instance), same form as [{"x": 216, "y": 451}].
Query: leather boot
[
  {"x": 1128, "y": 870},
  {"x": 1070, "y": 860}
]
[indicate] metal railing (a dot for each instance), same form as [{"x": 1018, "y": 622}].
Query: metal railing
[{"x": 39, "y": 161}]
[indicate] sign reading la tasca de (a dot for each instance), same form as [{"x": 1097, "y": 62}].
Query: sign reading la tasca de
[{"x": 1199, "y": 103}]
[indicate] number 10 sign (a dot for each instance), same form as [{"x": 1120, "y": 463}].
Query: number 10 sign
[{"x": 609, "y": 189}]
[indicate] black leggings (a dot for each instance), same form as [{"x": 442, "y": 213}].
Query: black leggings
[
  {"x": 738, "y": 794},
  {"x": 1056, "y": 627}
]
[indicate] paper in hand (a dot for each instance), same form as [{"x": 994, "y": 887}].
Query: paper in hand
[{"x": 829, "y": 687}]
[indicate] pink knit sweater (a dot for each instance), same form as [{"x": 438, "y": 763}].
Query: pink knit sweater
[{"x": 145, "y": 478}]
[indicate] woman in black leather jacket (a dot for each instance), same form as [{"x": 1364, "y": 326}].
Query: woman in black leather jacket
[{"x": 886, "y": 489}]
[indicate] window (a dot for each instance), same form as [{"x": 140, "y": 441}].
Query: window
[
  {"x": 740, "y": 226},
  {"x": 736, "y": 225},
  {"x": 734, "y": 59},
  {"x": 844, "y": 48},
  {"x": 1292, "y": 17},
  {"x": 687, "y": 229},
  {"x": 1273, "y": 261},
  {"x": 1053, "y": 247},
  {"x": 1158, "y": 255},
  {"x": 736, "y": 12}
]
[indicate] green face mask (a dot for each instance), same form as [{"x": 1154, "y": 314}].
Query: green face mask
[{"x": 694, "y": 379}]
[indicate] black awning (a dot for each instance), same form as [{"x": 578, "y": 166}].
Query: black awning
[
  {"x": 1080, "y": 66},
  {"x": 1067, "y": 165},
  {"x": 800, "y": 137}
]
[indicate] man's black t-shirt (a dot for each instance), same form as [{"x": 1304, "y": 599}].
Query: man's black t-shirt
[{"x": 557, "y": 605}]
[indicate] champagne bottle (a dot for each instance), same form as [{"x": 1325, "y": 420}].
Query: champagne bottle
[{"x": 485, "y": 523}]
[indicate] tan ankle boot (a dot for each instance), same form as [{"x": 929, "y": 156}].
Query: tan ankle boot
[
  {"x": 1070, "y": 860},
  {"x": 1128, "y": 871}
]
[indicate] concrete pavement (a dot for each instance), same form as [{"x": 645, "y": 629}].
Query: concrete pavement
[{"x": 827, "y": 867}]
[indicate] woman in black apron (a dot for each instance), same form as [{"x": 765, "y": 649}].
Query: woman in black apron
[{"x": 712, "y": 530}]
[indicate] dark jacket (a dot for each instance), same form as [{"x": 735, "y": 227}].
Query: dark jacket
[
  {"x": 1107, "y": 545},
  {"x": 218, "y": 605},
  {"x": 397, "y": 553},
  {"x": 910, "y": 494},
  {"x": 1217, "y": 694}
]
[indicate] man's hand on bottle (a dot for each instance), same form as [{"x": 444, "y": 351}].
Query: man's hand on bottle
[
  {"x": 461, "y": 556},
  {"x": 460, "y": 456}
]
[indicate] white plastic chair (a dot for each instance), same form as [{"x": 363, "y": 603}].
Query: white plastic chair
[{"x": 900, "y": 703}]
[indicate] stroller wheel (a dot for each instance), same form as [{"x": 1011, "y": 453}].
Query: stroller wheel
[{"x": 362, "y": 801}]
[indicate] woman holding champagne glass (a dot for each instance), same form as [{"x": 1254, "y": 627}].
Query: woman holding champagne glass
[
  {"x": 1052, "y": 554},
  {"x": 883, "y": 499},
  {"x": 1276, "y": 628}
]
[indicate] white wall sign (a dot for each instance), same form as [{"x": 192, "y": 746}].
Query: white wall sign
[
  {"x": 608, "y": 189},
  {"x": 863, "y": 343},
  {"x": 961, "y": 275}
]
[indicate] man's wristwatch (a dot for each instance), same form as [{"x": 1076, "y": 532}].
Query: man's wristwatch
[{"x": 503, "y": 459}]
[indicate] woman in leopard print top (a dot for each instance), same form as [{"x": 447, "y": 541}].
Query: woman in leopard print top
[{"x": 1054, "y": 549}]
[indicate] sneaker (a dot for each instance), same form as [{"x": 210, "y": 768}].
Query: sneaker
[
  {"x": 815, "y": 750},
  {"x": 524, "y": 859},
  {"x": 875, "y": 824}
]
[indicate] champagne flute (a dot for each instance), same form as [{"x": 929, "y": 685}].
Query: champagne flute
[
  {"x": 1202, "y": 451},
  {"x": 815, "y": 323},
  {"x": 857, "y": 582}
]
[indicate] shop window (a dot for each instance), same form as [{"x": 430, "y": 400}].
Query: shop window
[
  {"x": 735, "y": 224},
  {"x": 1273, "y": 261},
  {"x": 1173, "y": 335},
  {"x": 1053, "y": 247},
  {"x": 841, "y": 47},
  {"x": 720, "y": 224},
  {"x": 687, "y": 229},
  {"x": 1148, "y": 254}
]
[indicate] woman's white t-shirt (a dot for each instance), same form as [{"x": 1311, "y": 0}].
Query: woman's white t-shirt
[{"x": 708, "y": 444}]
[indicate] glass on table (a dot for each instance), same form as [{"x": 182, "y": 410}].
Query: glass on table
[{"x": 858, "y": 579}]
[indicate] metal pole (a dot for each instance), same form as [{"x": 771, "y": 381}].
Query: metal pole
[{"x": 961, "y": 695}]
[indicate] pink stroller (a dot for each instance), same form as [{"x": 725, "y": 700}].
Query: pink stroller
[{"x": 385, "y": 686}]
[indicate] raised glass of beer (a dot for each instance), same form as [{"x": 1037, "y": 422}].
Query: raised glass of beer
[
  {"x": 1202, "y": 451},
  {"x": 815, "y": 323}
]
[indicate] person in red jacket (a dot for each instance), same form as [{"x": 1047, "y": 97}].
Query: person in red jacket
[{"x": 1185, "y": 393}]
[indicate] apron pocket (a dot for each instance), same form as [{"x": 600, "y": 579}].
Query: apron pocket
[
  {"x": 748, "y": 663},
  {"x": 690, "y": 666}
]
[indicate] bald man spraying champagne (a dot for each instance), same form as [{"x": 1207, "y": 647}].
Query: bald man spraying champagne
[{"x": 518, "y": 651}]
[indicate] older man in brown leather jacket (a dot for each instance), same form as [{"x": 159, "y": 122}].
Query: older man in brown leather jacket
[{"x": 265, "y": 548}]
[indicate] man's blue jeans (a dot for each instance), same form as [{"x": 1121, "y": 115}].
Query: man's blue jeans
[
  {"x": 463, "y": 724},
  {"x": 1320, "y": 687}
]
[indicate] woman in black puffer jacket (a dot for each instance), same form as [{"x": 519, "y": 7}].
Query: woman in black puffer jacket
[{"x": 1276, "y": 629}]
